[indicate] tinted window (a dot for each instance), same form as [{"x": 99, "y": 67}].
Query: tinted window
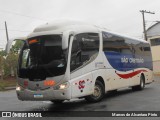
[
  {"x": 126, "y": 54},
  {"x": 75, "y": 54},
  {"x": 42, "y": 57},
  {"x": 85, "y": 47},
  {"x": 115, "y": 43}
]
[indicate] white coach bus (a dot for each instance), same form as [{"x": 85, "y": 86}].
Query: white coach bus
[{"x": 65, "y": 60}]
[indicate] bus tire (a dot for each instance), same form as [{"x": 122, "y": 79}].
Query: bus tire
[
  {"x": 99, "y": 92},
  {"x": 57, "y": 101},
  {"x": 141, "y": 85}
]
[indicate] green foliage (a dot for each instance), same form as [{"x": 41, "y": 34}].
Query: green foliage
[
  {"x": 16, "y": 47},
  {"x": 8, "y": 62},
  {"x": 2, "y": 65},
  {"x": 3, "y": 53}
]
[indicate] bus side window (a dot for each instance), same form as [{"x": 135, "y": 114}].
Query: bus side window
[
  {"x": 117, "y": 44},
  {"x": 85, "y": 48},
  {"x": 75, "y": 55},
  {"x": 89, "y": 46}
]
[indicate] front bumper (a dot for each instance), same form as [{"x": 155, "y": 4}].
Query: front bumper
[{"x": 44, "y": 95}]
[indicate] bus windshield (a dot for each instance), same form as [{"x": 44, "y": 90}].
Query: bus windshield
[{"x": 42, "y": 57}]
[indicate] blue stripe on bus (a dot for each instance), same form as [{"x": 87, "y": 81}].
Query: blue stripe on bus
[{"x": 125, "y": 62}]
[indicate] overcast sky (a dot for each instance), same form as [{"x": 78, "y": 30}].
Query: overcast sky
[{"x": 121, "y": 16}]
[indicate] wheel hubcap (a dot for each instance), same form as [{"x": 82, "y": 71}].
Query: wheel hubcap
[{"x": 97, "y": 91}]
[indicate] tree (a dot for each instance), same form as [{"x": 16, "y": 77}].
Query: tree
[
  {"x": 17, "y": 46},
  {"x": 11, "y": 64},
  {"x": 3, "y": 53},
  {"x": 8, "y": 62},
  {"x": 12, "y": 58},
  {"x": 2, "y": 62}
]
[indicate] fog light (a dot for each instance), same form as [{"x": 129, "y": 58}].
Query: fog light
[
  {"x": 62, "y": 86},
  {"x": 18, "y": 88}
]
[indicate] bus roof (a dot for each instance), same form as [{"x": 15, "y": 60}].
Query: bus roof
[{"x": 59, "y": 26}]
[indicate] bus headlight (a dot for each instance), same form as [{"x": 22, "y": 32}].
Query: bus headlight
[{"x": 62, "y": 86}]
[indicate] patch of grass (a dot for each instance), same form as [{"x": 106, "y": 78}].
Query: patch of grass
[{"x": 8, "y": 82}]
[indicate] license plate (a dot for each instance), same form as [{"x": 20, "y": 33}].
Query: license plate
[{"x": 38, "y": 96}]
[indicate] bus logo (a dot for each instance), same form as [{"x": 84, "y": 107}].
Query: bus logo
[{"x": 81, "y": 84}]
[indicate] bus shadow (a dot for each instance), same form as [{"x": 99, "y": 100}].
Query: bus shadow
[
  {"x": 83, "y": 105},
  {"x": 111, "y": 95}
]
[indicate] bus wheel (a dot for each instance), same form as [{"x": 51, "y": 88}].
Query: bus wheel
[
  {"x": 98, "y": 94},
  {"x": 57, "y": 101},
  {"x": 141, "y": 85}
]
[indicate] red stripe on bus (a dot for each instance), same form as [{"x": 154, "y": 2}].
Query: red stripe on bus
[{"x": 129, "y": 75}]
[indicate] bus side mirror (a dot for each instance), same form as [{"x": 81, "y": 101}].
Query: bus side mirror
[{"x": 9, "y": 43}]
